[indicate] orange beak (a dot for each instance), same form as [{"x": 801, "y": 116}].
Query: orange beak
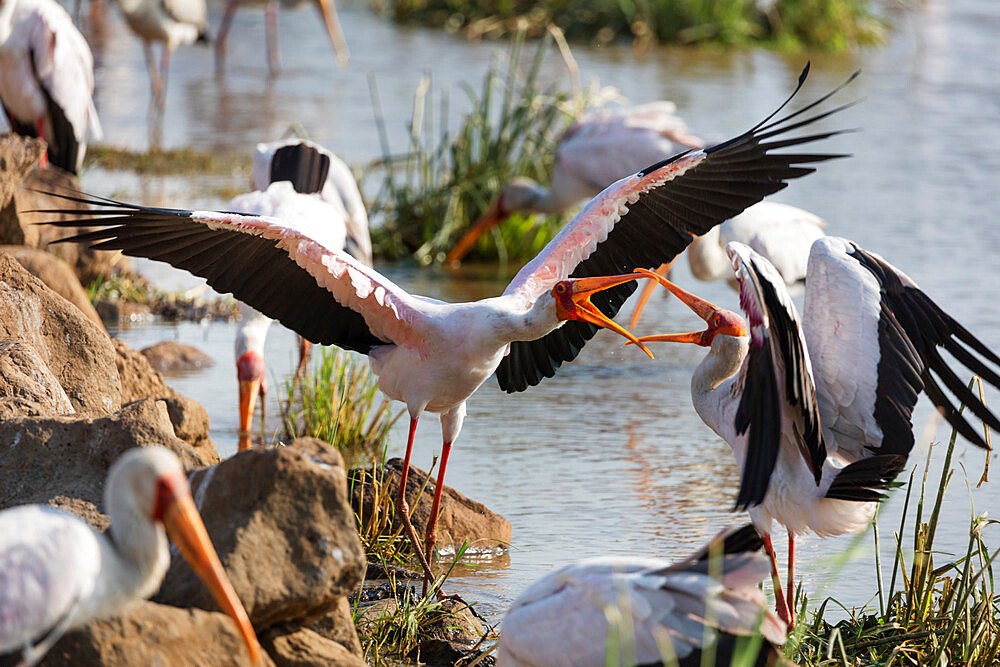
[
  {"x": 329, "y": 11},
  {"x": 701, "y": 308},
  {"x": 248, "y": 400},
  {"x": 573, "y": 303},
  {"x": 488, "y": 220},
  {"x": 186, "y": 530}
]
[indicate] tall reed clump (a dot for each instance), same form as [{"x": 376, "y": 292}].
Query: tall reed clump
[
  {"x": 431, "y": 195},
  {"x": 930, "y": 613},
  {"x": 338, "y": 401},
  {"x": 833, "y": 25}
]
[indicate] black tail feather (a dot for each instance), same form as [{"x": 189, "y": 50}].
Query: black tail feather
[{"x": 864, "y": 480}]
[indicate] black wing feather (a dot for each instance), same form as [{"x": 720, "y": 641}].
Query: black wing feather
[
  {"x": 737, "y": 173},
  {"x": 759, "y": 413}
]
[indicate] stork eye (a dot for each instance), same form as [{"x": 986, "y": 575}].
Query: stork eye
[{"x": 561, "y": 288}]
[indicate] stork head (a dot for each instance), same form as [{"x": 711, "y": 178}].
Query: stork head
[
  {"x": 520, "y": 194},
  {"x": 148, "y": 484},
  {"x": 572, "y": 297},
  {"x": 719, "y": 321},
  {"x": 250, "y": 372}
]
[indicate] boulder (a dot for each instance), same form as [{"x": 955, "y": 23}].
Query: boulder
[
  {"x": 460, "y": 519},
  {"x": 171, "y": 356},
  {"x": 297, "y": 646},
  {"x": 18, "y": 156},
  {"x": 338, "y": 626},
  {"x": 83, "y": 509},
  {"x": 57, "y": 276},
  {"x": 77, "y": 351},
  {"x": 44, "y": 457},
  {"x": 27, "y": 386},
  {"x": 17, "y": 225},
  {"x": 284, "y": 530},
  {"x": 153, "y": 634}
]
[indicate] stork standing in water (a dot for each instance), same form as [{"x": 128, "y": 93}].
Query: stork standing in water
[
  {"x": 703, "y": 605},
  {"x": 170, "y": 22},
  {"x": 433, "y": 355},
  {"x": 327, "y": 9},
  {"x": 47, "y": 79},
  {"x": 57, "y": 573},
  {"x": 294, "y": 179},
  {"x": 817, "y": 410}
]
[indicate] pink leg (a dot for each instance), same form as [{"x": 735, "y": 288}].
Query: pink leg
[
  {"x": 779, "y": 594},
  {"x": 791, "y": 578},
  {"x": 220, "y": 40},
  {"x": 403, "y": 508},
  {"x": 273, "y": 59},
  {"x": 43, "y": 162},
  {"x": 154, "y": 74},
  {"x": 164, "y": 71},
  {"x": 430, "y": 537}
]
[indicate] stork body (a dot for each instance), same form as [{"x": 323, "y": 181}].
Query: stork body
[
  {"x": 817, "y": 410},
  {"x": 47, "y": 79},
  {"x": 57, "y": 573},
  {"x": 433, "y": 355},
  {"x": 171, "y": 23},
  {"x": 704, "y": 604}
]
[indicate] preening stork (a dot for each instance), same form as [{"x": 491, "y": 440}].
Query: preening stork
[
  {"x": 327, "y": 9},
  {"x": 780, "y": 233},
  {"x": 294, "y": 179},
  {"x": 817, "y": 410},
  {"x": 47, "y": 79},
  {"x": 170, "y": 22},
  {"x": 57, "y": 573},
  {"x": 653, "y": 611},
  {"x": 433, "y": 355}
]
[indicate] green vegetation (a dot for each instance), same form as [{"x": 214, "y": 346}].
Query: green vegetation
[
  {"x": 338, "y": 401},
  {"x": 121, "y": 286},
  {"x": 431, "y": 195},
  {"x": 182, "y": 161},
  {"x": 129, "y": 287},
  {"x": 833, "y": 25}
]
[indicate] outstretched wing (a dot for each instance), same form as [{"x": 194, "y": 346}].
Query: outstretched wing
[
  {"x": 875, "y": 339},
  {"x": 647, "y": 219},
  {"x": 280, "y": 267},
  {"x": 778, "y": 403}
]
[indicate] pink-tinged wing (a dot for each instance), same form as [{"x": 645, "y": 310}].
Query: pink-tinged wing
[
  {"x": 277, "y": 266},
  {"x": 778, "y": 404},
  {"x": 647, "y": 219},
  {"x": 49, "y": 562}
]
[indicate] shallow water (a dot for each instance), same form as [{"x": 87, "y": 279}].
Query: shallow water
[{"x": 609, "y": 457}]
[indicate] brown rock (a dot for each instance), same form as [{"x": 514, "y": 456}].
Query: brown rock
[
  {"x": 18, "y": 156},
  {"x": 153, "y": 634},
  {"x": 49, "y": 456},
  {"x": 17, "y": 225},
  {"x": 83, "y": 509},
  {"x": 76, "y": 350},
  {"x": 27, "y": 387},
  {"x": 57, "y": 276},
  {"x": 295, "y": 646},
  {"x": 190, "y": 421},
  {"x": 170, "y": 356},
  {"x": 460, "y": 519},
  {"x": 338, "y": 626},
  {"x": 281, "y": 523}
]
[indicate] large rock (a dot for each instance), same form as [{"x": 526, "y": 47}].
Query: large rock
[
  {"x": 77, "y": 351},
  {"x": 17, "y": 225},
  {"x": 460, "y": 519},
  {"x": 27, "y": 386},
  {"x": 338, "y": 626},
  {"x": 44, "y": 457},
  {"x": 171, "y": 356},
  {"x": 57, "y": 276},
  {"x": 282, "y": 525},
  {"x": 155, "y": 635},
  {"x": 18, "y": 156},
  {"x": 297, "y": 646}
]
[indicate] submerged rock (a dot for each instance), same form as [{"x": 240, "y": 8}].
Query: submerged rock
[
  {"x": 284, "y": 530},
  {"x": 27, "y": 387},
  {"x": 154, "y": 634},
  {"x": 460, "y": 519},
  {"x": 170, "y": 356},
  {"x": 57, "y": 275}
]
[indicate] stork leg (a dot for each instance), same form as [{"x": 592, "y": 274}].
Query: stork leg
[
  {"x": 263, "y": 425},
  {"x": 430, "y": 537},
  {"x": 790, "y": 598},
  {"x": 647, "y": 292},
  {"x": 43, "y": 162},
  {"x": 220, "y": 40},
  {"x": 164, "y": 70},
  {"x": 154, "y": 74},
  {"x": 273, "y": 57},
  {"x": 305, "y": 349},
  {"x": 779, "y": 593},
  {"x": 403, "y": 508}
]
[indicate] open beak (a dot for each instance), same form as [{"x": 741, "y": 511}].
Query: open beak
[
  {"x": 186, "y": 530},
  {"x": 248, "y": 400},
  {"x": 329, "y": 11},
  {"x": 701, "y": 308},
  {"x": 580, "y": 308},
  {"x": 487, "y": 221},
  {"x": 647, "y": 292}
]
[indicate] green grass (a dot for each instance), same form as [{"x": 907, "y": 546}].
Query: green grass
[
  {"x": 448, "y": 177},
  {"x": 121, "y": 286},
  {"x": 831, "y": 25}
]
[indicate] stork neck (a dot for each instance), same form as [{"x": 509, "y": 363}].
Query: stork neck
[
  {"x": 514, "y": 323},
  {"x": 136, "y": 556},
  {"x": 707, "y": 259},
  {"x": 723, "y": 361}
]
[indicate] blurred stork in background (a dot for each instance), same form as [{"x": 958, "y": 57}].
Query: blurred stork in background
[{"x": 47, "y": 79}]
